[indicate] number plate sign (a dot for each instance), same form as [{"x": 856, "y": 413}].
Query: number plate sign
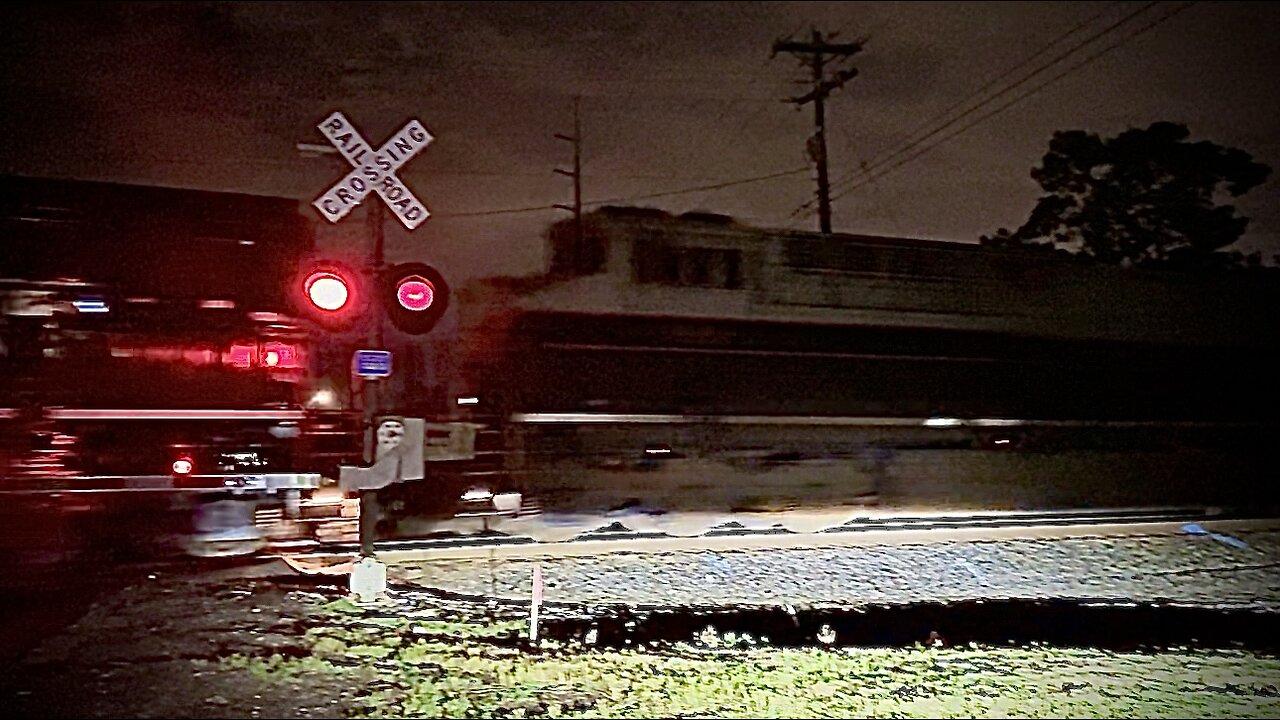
[{"x": 372, "y": 363}]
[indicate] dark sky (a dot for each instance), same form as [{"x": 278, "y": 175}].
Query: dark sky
[{"x": 675, "y": 96}]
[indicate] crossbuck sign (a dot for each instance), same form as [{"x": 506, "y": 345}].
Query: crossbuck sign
[{"x": 374, "y": 171}]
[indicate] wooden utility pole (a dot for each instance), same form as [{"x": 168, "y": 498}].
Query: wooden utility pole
[
  {"x": 816, "y": 53},
  {"x": 576, "y": 208}
]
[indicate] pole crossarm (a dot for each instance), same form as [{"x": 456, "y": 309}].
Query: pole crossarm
[{"x": 816, "y": 53}]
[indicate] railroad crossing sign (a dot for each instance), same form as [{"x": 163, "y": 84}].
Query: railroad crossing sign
[{"x": 373, "y": 171}]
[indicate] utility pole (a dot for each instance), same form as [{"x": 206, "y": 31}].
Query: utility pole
[
  {"x": 576, "y": 208},
  {"x": 816, "y": 54}
]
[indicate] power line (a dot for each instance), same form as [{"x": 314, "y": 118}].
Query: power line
[
  {"x": 978, "y": 92},
  {"x": 716, "y": 186},
  {"x": 632, "y": 198},
  {"x": 870, "y": 167},
  {"x": 648, "y": 97},
  {"x": 1072, "y": 50},
  {"x": 847, "y": 25},
  {"x": 726, "y": 139},
  {"x": 731, "y": 137},
  {"x": 263, "y": 163},
  {"x": 1017, "y": 99},
  {"x": 504, "y": 211}
]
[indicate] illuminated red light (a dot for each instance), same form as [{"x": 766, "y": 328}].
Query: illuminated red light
[
  {"x": 415, "y": 293},
  {"x": 183, "y": 466},
  {"x": 272, "y": 354},
  {"x": 327, "y": 291},
  {"x": 240, "y": 356},
  {"x": 281, "y": 356}
]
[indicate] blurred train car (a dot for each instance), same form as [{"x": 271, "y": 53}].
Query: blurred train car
[
  {"x": 672, "y": 373},
  {"x": 154, "y": 383}
]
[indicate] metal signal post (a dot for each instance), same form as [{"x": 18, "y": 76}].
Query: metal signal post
[
  {"x": 412, "y": 295},
  {"x": 369, "y": 507}
]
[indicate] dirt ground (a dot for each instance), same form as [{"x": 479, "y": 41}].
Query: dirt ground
[
  {"x": 94, "y": 635},
  {"x": 153, "y": 645}
]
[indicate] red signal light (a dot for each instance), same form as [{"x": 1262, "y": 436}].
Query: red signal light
[
  {"x": 183, "y": 466},
  {"x": 415, "y": 293},
  {"x": 329, "y": 293},
  {"x": 327, "y": 290},
  {"x": 415, "y": 296}
]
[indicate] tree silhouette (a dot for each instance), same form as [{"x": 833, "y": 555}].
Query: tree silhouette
[{"x": 1144, "y": 197}]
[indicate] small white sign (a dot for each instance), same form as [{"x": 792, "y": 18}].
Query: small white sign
[{"x": 373, "y": 171}]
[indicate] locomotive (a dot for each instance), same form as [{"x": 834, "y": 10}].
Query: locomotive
[{"x": 673, "y": 374}]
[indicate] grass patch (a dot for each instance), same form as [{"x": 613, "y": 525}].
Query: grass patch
[
  {"x": 275, "y": 667},
  {"x": 471, "y": 667}
]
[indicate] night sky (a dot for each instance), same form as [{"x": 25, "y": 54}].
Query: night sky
[{"x": 674, "y": 96}]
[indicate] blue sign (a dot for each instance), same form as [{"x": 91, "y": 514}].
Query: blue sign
[{"x": 372, "y": 363}]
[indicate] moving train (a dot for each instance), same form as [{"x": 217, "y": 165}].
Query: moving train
[
  {"x": 152, "y": 379},
  {"x": 665, "y": 373},
  {"x": 674, "y": 374}
]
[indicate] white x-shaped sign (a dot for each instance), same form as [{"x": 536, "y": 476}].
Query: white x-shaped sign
[{"x": 374, "y": 171}]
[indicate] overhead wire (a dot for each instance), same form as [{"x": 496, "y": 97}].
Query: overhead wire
[
  {"x": 982, "y": 89},
  {"x": 901, "y": 148},
  {"x": 632, "y": 198},
  {"x": 748, "y": 120},
  {"x": 1016, "y": 100},
  {"x": 666, "y": 193},
  {"x": 987, "y": 101}
]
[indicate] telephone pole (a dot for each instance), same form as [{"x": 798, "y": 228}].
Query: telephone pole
[
  {"x": 816, "y": 53},
  {"x": 576, "y": 208}
]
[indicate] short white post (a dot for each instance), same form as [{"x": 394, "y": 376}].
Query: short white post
[
  {"x": 533, "y": 606},
  {"x": 369, "y": 580}
]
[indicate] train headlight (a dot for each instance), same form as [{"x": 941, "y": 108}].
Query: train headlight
[
  {"x": 507, "y": 502},
  {"x": 477, "y": 495}
]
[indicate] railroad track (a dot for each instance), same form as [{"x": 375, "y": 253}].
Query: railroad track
[{"x": 888, "y": 529}]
